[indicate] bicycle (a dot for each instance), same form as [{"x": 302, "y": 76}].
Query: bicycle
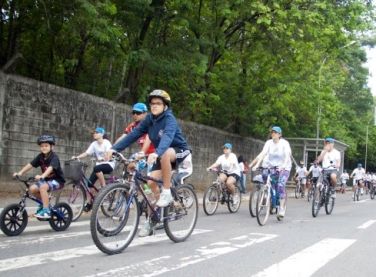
[
  {"x": 322, "y": 196},
  {"x": 372, "y": 190},
  {"x": 298, "y": 188},
  {"x": 76, "y": 191},
  {"x": 14, "y": 217},
  {"x": 114, "y": 232},
  {"x": 312, "y": 188},
  {"x": 253, "y": 196},
  {"x": 357, "y": 191},
  {"x": 218, "y": 192},
  {"x": 343, "y": 187},
  {"x": 268, "y": 199}
]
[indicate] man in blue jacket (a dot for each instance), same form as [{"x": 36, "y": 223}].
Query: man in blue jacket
[{"x": 170, "y": 146}]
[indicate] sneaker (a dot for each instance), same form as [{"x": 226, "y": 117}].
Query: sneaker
[
  {"x": 145, "y": 231},
  {"x": 235, "y": 200},
  {"x": 361, "y": 191},
  {"x": 43, "y": 213},
  {"x": 40, "y": 207},
  {"x": 88, "y": 207},
  {"x": 281, "y": 212},
  {"x": 352, "y": 196},
  {"x": 159, "y": 226},
  {"x": 164, "y": 200},
  {"x": 334, "y": 194}
]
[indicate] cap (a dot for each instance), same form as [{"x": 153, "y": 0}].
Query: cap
[
  {"x": 140, "y": 107},
  {"x": 331, "y": 140},
  {"x": 228, "y": 145},
  {"x": 277, "y": 129},
  {"x": 98, "y": 130},
  {"x": 359, "y": 165}
]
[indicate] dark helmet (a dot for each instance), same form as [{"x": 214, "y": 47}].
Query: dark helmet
[
  {"x": 160, "y": 94},
  {"x": 46, "y": 138}
]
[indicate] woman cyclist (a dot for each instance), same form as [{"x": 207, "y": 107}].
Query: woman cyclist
[
  {"x": 229, "y": 162},
  {"x": 279, "y": 152},
  {"x": 98, "y": 147}
]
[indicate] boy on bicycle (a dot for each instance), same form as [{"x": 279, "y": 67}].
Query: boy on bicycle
[
  {"x": 170, "y": 147},
  {"x": 300, "y": 175},
  {"x": 52, "y": 177}
]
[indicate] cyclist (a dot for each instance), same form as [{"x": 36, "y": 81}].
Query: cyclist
[
  {"x": 359, "y": 174},
  {"x": 185, "y": 170},
  {"x": 300, "y": 175},
  {"x": 331, "y": 161},
  {"x": 344, "y": 178},
  {"x": 242, "y": 173},
  {"x": 98, "y": 147},
  {"x": 229, "y": 162},
  {"x": 52, "y": 177},
  {"x": 316, "y": 171},
  {"x": 170, "y": 147},
  {"x": 278, "y": 151},
  {"x": 368, "y": 182}
]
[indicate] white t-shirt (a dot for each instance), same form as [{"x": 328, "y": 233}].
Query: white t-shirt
[
  {"x": 226, "y": 163},
  {"x": 277, "y": 152},
  {"x": 315, "y": 171},
  {"x": 331, "y": 158},
  {"x": 301, "y": 171},
  {"x": 100, "y": 151},
  {"x": 187, "y": 161},
  {"x": 368, "y": 177},
  {"x": 344, "y": 177},
  {"x": 358, "y": 173}
]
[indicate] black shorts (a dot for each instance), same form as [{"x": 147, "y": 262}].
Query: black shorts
[
  {"x": 237, "y": 177},
  {"x": 180, "y": 155}
]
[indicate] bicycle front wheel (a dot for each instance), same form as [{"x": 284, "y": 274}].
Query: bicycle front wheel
[
  {"x": 316, "y": 201},
  {"x": 114, "y": 230},
  {"x": 372, "y": 193},
  {"x": 230, "y": 204},
  {"x": 297, "y": 191},
  {"x": 310, "y": 193},
  {"x": 263, "y": 206},
  {"x": 211, "y": 200},
  {"x": 75, "y": 195},
  {"x": 180, "y": 216},
  {"x": 253, "y": 201},
  {"x": 329, "y": 204}
]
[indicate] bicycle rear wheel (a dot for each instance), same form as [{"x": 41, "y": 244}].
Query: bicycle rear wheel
[
  {"x": 357, "y": 192},
  {"x": 253, "y": 201},
  {"x": 180, "y": 216},
  {"x": 263, "y": 206},
  {"x": 234, "y": 208},
  {"x": 114, "y": 230},
  {"x": 310, "y": 193},
  {"x": 75, "y": 195},
  {"x": 329, "y": 204},
  {"x": 316, "y": 201},
  {"x": 211, "y": 199},
  {"x": 372, "y": 193}
]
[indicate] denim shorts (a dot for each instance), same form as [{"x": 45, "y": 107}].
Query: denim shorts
[{"x": 54, "y": 185}]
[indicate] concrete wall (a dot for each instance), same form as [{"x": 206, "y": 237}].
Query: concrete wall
[{"x": 29, "y": 108}]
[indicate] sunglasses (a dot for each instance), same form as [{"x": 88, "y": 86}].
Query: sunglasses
[{"x": 135, "y": 112}]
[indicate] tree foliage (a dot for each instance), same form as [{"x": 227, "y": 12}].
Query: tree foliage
[{"x": 239, "y": 65}]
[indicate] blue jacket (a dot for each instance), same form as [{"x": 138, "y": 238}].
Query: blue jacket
[{"x": 163, "y": 131}]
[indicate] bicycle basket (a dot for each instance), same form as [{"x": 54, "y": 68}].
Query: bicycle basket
[{"x": 74, "y": 170}]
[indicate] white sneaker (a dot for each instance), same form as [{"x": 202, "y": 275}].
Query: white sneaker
[
  {"x": 361, "y": 191},
  {"x": 235, "y": 200},
  {"x": 146, "y": 230},
  {"x": 281, "y": 212},
  {"x": 334, "y": 194},
  {"x": 164, "y": 200}
]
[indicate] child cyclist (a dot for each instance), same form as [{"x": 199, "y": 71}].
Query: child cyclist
[
  {"x": 170, "y": 147},
  {"x": 52, "y": 177},
  {"x": 98, "y": 147}
]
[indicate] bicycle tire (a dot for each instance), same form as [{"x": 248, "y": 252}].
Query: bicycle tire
[
  {"x": 253, "y": 201},
  {"x": 316, "y": 201},
  {"x": 231, "y": 207},
  {"x": 11, "y": 223},
  {"x": 75, "y": 195},
  {"x": 297, "y": 191},
  {"x": 56, "y": 222},
  {"x": 180, "y": 217},
  {"x": 211, "y": 199},
  {"x": 343, "y": 188},
  {"x": 263, "y": 206},
  {"x": 329, "y": 204},
  {"x": 112, "y": 234},
  {"x": 357, "y": 193},
  {"x": 310, "y": 193},
  {"x": 372, "y": 193}
]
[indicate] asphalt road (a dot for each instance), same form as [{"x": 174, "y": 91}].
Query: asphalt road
[{"x": 225, "y": 244}]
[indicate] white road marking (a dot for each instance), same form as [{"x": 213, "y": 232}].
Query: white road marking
[
  {"x": 309, "y": 260},
  {"x": 159, "y": 266},
  {"x": 38, "y": 259},
  {"x": 367, "y": 224}
]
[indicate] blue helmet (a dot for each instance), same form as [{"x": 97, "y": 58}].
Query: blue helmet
[
  {"x": 359, "y": 165},
  {"x": 345, "y": 170}
]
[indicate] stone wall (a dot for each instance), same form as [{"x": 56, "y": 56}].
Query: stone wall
[{"x": 29, "y": 108}]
